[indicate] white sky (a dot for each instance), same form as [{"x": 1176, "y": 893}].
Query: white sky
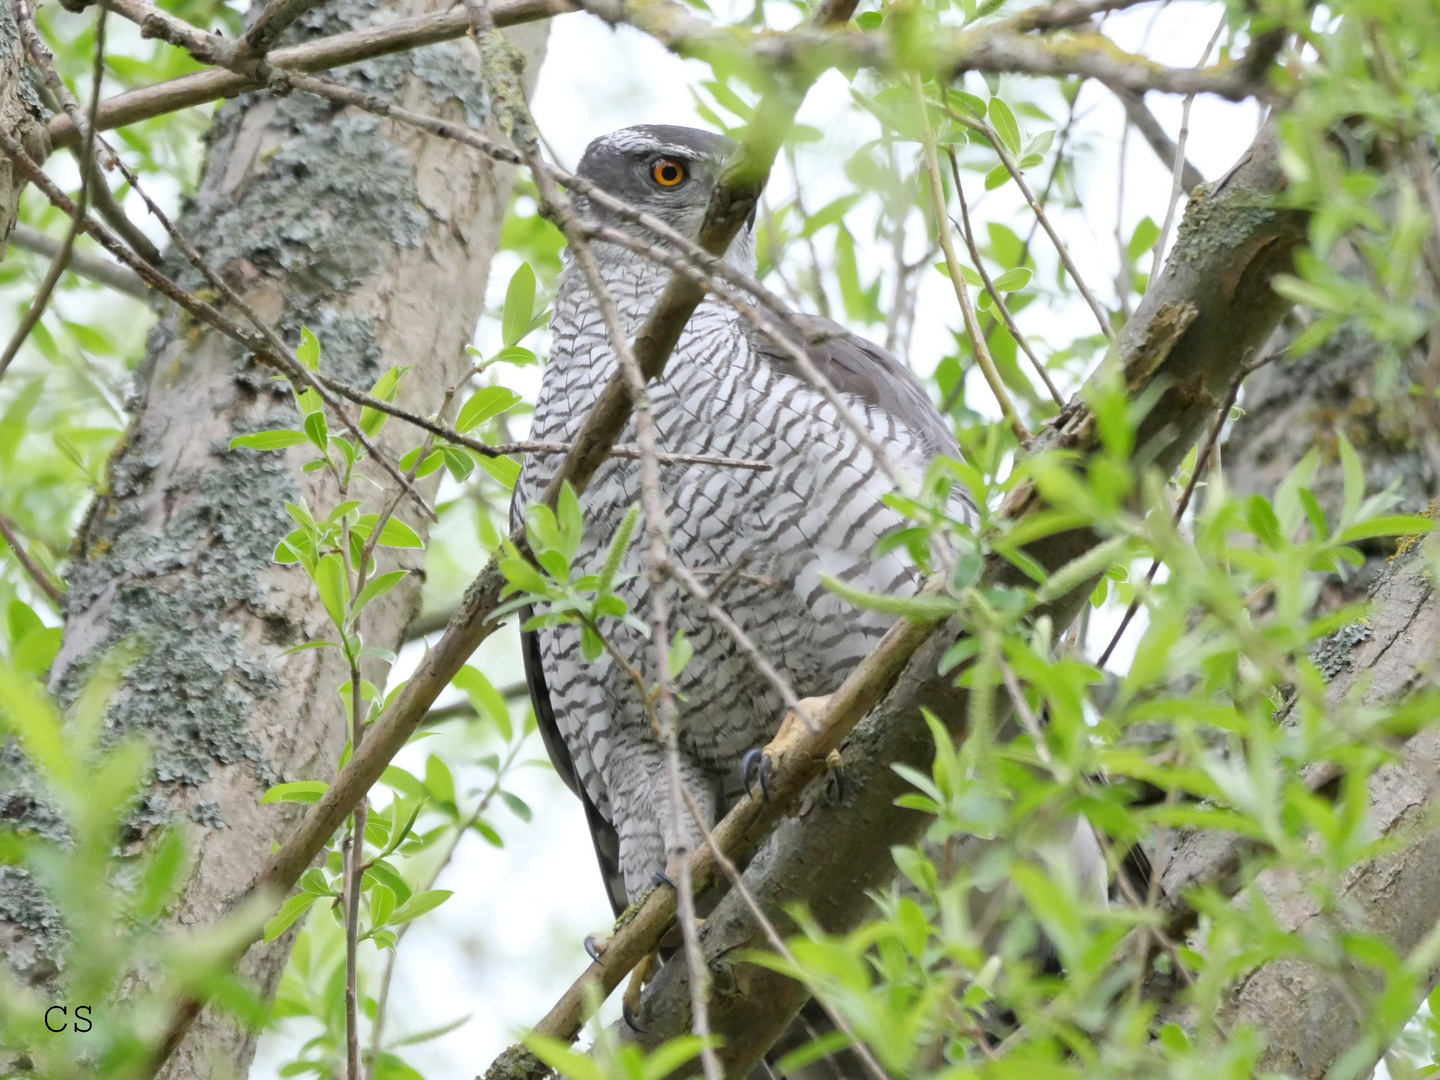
[{"x": 505, "y": 946}]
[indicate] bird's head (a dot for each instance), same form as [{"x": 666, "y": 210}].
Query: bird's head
[{"x": 664, "y": 170}]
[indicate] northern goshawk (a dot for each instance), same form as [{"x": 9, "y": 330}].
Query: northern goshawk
[{"x": 819, "y": 509}]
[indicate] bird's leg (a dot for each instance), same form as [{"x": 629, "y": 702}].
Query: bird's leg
[
  {"x": 630, "y": 1001},
  {"x": 760, "y": 764},
  {"x": 595, "y": 944},
  {"x": 835, "y": 774}
]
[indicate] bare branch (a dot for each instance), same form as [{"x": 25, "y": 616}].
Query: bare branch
[
  {"x": 272, "y": 21},
  {"x": 1143, "y": 120},
  {"x": 90, "y": 266}
]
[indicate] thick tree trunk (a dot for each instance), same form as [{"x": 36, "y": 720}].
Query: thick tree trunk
[
  {"x": 1210, "y": 311},
  {"x": 1309, "y": 1015},
  {"x": 379, "y": 239}
]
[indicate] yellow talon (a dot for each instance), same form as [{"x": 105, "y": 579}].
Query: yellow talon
[{"x": 762, "y": 763}]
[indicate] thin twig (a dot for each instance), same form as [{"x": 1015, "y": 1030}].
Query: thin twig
[
  {"x": 657, "y": 527},
  {"x": 30, "y": 566},
  {"x": 97, "y": 269},
  {"x": 1143, "y": 121},
  {"x": 1178, "y": 178},
  {"x": 995, "y": 298},
  {"x": 322, "y": 54},
  {"x": 957, "y": 279},
  {"x": 1203, "y": 456},
  {"x": 1013, "y": 167}
]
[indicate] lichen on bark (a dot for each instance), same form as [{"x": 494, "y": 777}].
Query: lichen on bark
[{"x": 378, "y": 238}]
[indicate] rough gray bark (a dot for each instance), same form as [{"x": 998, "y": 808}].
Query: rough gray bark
[
  {"x": 379, "y": 239},
  {"x": 1309, "y": 1015},
  {"x": 1211, "y": 310},
  {"x": 1291, "y": 408},
  {"x": 20, "y": 111}
]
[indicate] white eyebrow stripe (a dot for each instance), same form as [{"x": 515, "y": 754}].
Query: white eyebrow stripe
[{"x": 626, "y": 140}]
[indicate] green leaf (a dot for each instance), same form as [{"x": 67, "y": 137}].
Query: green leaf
[
  {"x": 1354, "y": 479},
  {"x": 300, "y": 791},
  {"x": 334, "y": 587},
  {"x": 379, "y": 587},
  {"x": 438, "y": 780},
  {"x": 680, "y": 653},
  {"x": 517, "y": 806},
  {"x": 484, "y": 698},
  {"x": 1012, "y": 280},
  {"x": 314, "y": 881},
  {"x": 395, "y": 534},
  {"x": 487, "y": 402},
  {"x": 504, "y": 469},
  {"x": 1388, "y": 525},
  {"x": 926, "y": 608},
  {"x": 431, "y": 1034},
  {"x": 383, "y": 873},
  {"x": 382, "y": 905},
  {"x": 566, "y": 1062},
  {"x": 372, "y": 420},
  {"x": 291, "y": 910},
  {"x": 1003, "y": 121},
  {"x": 418, "y": 905},
  {"x": 269, "y": 440},
  {"x": 1142, "y": 239},
  {"x": 491, "y": 836},
  {"x": 515, "y": 354},
  {"x": 519, "y": 303},
  {"x": 996, "y": 177},
  {"x": 460, "y": 464},
  {"x": 317, "y": 431},
  {"x": 309, "y": 351}
]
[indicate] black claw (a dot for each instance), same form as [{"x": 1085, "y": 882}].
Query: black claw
[
  {"x": 592, "y": 947},
  {"x": 630, "y": 1019},
  {"x": 749, "y": 765},
  {"x": 661, "y": 878},
  {"x": 756, "y": 766},
  {"x": 837, "y": 777}
]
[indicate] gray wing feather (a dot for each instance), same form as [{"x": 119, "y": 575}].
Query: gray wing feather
[
  {"x": 856, "y": 366},
  {"x": 602, "y": 832}
]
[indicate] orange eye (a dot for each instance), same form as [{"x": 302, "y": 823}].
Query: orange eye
[{"x": 667, "y": 172}]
